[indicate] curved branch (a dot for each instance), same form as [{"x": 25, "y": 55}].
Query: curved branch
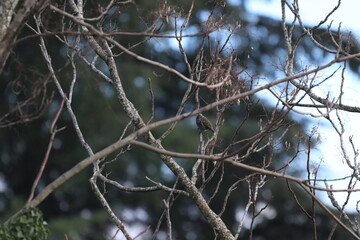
[{"x": 123, "y": 142}]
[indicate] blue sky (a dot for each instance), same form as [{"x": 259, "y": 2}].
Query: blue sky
[
  {"x": 313, "y": 11},
  {"x": 328, "y": 152}
]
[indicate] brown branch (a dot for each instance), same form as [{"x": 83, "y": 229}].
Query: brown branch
[
  {"x": 53, "y": 132},
  {"x": 123, "y": 142},
  {"x": 130, "y": 53},
  {"x": 216, "y": 158}
]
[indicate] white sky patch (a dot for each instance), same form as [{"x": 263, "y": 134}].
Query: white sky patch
[
  {"x": 329, "y": 153},
  {"x": 3, "y": 185},
  {"x": 188, "y": 43},
  {"x": 312, "y": 12},
  {"x": 267, "y": 213}
]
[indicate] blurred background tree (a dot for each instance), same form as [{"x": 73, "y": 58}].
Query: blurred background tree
[{"x": 30, "y": 101}]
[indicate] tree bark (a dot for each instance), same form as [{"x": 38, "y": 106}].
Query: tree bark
[{"x": 12, "y": 18}]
